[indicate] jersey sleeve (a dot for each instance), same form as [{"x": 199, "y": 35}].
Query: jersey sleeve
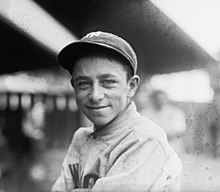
[
  {"x": 65, "y": 182},
  {"x": 69, "y": 176},
  {"x": 140, "y": 165}
]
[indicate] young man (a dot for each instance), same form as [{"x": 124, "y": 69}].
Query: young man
[{"x": 123, "y": 151}]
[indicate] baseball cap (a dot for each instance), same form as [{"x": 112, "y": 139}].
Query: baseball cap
[{"x": 73, "y": 51}]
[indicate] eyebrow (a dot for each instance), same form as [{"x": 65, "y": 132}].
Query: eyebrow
[
  {"x": 107, "y": 75},
  {"x": 103, "y": 76},
  {"x": 79, "y": 78}
]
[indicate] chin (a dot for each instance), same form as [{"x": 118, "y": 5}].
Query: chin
[{"x": 100, "y": 122}]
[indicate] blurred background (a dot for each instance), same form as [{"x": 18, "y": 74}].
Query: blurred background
[{"x": 178, "y": 47}]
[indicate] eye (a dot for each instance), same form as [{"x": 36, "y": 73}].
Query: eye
[
  {"x": 83, "y": 85},
  {"x": 108, "y": 82}
]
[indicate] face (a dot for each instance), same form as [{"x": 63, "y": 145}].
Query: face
[{"x": 102, "y": 89}]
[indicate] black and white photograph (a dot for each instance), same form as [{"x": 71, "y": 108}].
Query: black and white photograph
[{"x": 110, "y": 96}]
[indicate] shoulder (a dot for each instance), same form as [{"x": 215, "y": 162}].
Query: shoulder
[
  {"x": 143, "y": 126},
  {"x": 82, "y": 134},
  {"x": 145, "y": 129},
  {"x": 80, "y": 137}
]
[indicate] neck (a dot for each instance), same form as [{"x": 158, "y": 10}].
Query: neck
[{"x": 114, "y": 121}]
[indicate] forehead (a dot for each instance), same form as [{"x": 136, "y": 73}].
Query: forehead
[{"x": 97, "y": 65}]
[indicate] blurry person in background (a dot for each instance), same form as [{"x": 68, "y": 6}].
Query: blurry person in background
[
  {"x": 122, "y": 151},
  {"x": 215, "y": 128},
  {"x": 213, "y": 70},
  {"x": 33, "y": 127},
  {"x": 20, "y": 150},
  {"x": 6, "y": 158},
  {"x": 33, "y": 123},
  {"x": 160, "y": 109}
]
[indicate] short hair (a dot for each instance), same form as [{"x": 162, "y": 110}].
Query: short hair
[{"x": 111, "y": 54}]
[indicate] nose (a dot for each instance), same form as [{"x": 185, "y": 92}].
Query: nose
[{"x": 96, "y": 93}]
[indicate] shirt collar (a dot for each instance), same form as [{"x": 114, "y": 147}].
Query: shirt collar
[{"x": 120, "y": 123}]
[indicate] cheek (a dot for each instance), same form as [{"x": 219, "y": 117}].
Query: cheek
[
  {"x": 80, "y": 98},
  {"x": 119, "y": 95}
]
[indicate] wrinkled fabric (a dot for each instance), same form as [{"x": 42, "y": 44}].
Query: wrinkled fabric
[{"x": 131, "y": 154}]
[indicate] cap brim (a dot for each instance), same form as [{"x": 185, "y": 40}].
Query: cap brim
[{"x": 72, "y": 52}]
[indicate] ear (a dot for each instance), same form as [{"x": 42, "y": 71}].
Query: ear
[
  {"x": 133, "y": 85},
  {"x": 72, "y": 82}
]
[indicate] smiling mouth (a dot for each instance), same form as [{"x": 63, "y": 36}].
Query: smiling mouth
[{"x": 97, "y": 107}]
